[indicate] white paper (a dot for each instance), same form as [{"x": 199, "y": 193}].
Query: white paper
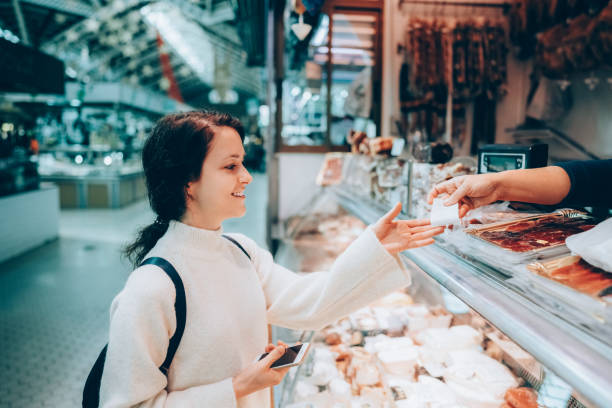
[
  {"x": 442, "y": 215},
  {"x": 594, "y": 245}
]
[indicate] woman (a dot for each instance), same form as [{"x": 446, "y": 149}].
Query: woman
[{"x": 195, "y": 181}]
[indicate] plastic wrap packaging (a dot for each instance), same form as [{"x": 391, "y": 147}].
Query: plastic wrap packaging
[
  {"x": 533, "y": 234},
  {"x": 592, "y": 311},
  {"x": 586, "y": 312},
  {"x": 454, "y": 338},
  {"x": 594, "y": 246},
  {"x": 426, "y": 392},
  {"x": 521, "y": 362},
  {"x": 507, "y": 245},
  {"x": 573, "y": 272},
  {"x": 331, "y": 170},
  {"x": 478, "y": 380},
  {"x": 494, "y": 213}
]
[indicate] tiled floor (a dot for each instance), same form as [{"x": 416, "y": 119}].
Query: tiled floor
[{"x": 54, "y": 300}]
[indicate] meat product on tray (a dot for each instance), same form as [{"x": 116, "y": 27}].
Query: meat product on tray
[
  {"x": 533, "y": 234},
  {"x": 331, "y": 170},
  {"x": 574, "y": 272},
  {"x": 521, "y": 398}
]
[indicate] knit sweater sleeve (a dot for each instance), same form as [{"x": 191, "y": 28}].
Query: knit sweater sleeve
[
  {"x": 364, "y": 272},
  {"x": 142, "y": 321}
]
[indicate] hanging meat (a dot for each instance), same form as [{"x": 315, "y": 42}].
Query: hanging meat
[
  {"x": 601, "y": 39},
  {"x": 471, "y": 54},
  {"x": 528, "y": 17},
  {"x": 583, "y": 43}
]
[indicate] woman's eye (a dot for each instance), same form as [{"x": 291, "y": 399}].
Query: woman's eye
[{"x": 231, "y": 167}]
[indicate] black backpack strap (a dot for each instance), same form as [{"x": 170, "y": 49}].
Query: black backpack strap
[
  {"x": 91, "y": 391},
  {"x": 233, "y": 241},
  {"x": 180, "y": 308}
]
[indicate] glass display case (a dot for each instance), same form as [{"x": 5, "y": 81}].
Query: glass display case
[
  {"x": 93, "y": 153},
  {"x": 541, "y": 348},
  {"x": 93, "y": 176}
]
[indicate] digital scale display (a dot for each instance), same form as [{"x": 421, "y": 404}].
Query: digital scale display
[
  {"x": 500, "y": 157},
  {"x": 492, "y": 162}
]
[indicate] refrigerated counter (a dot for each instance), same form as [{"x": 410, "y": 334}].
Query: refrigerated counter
[{"x": 573, "y": 355}]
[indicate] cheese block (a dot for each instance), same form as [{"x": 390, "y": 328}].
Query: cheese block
[
  {"x": 454, "y": 338},
  {"x": 339, "y": 387},
  {"x": 428, "y": 392},
  {"x": 400, "y": 361},
  {"x": 478, "y": 380}
]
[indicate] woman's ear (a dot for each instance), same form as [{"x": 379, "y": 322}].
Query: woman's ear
[{"x": 188, "y": 193}]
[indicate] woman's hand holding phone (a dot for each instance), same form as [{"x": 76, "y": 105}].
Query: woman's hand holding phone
[{"x": 259, "y": 375}]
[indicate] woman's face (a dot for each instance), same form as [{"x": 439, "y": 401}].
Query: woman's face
[{"x": 219, "y": 193}]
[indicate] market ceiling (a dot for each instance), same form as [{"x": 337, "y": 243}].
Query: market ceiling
[{"x": 121, "y": 40}]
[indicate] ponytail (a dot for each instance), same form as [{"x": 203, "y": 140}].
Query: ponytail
[{"x": 146, "y": 240}]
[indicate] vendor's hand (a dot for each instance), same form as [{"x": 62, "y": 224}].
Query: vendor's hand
[
  {"x": 399, "y": 235},
  {"x": 469, "y": 191},
  {"x": 259, "y": 375}
]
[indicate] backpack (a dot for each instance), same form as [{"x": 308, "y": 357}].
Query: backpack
[{"x": 91, "y": 391}]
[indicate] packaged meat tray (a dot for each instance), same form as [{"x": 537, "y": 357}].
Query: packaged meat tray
[
  {"x": 574, "y": 272},
  {"x": 586, "y": 312},
  {"x": 529, "y": 238},
  {"x": 576, "y": 290},
  {"x": 331, "y": 170}
]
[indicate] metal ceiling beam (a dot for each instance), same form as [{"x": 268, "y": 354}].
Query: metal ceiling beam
[
  {"x": 141, "y": 58},
  {"x": 43, "y": 27},
  {"x": 102, "y": 14},
  {"x": 74, "y": 7},
  {"x": 23, "y": 30},
  {"x": 207, "y": 17}
]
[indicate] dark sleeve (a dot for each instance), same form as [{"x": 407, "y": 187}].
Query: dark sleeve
[{"x": 591, "y": 183}]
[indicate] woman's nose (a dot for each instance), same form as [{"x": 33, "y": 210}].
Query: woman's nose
[{"x": 245, "y": 176}]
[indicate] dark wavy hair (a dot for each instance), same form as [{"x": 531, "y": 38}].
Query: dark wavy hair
[{"x": 172, "y": 157}]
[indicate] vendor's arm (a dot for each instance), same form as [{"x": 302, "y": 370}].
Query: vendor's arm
[
  {"x": 546, "y": 185},
  {"x": 576, "y": 183},
  {"x": 367, "y": 270},
  {"x": 591, "y": 182}
]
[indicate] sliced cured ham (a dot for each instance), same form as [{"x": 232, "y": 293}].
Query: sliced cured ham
[{"x": 521, "y": 398}]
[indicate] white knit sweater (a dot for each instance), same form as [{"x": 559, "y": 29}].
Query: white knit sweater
[{"x": 230, "y": 301}]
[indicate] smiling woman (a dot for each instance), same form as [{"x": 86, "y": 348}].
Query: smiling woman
[
  {"x": 219, "y": 193},
  {"x": 173, "y": 161},
  {"x": 195, "y": 176}
]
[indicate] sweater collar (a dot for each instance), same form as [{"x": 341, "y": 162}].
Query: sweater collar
[{"x": 188, "y": 238}]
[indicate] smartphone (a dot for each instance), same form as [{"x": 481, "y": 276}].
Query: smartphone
[{"x": 293, "y": 356}]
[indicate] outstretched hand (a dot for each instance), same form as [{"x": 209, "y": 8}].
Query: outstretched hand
[{"x": 398, "y": 235}]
